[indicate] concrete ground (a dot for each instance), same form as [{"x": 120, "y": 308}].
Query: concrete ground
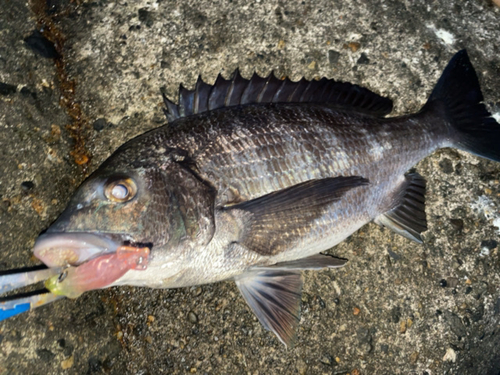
[{"x": 89, "y": 79}]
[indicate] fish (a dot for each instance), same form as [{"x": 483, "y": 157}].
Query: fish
[{"x": 252, "y": 180}]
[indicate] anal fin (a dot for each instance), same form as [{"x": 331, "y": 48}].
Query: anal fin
[{"x": 407, "y": 215}]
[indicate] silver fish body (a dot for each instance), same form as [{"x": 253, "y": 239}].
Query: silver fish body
[
  {"x": 252, "y": 179},
  {"x": 279, "y": 146}
]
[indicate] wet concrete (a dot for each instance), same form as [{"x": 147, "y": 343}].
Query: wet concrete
[{"x": 397, "y": 308}]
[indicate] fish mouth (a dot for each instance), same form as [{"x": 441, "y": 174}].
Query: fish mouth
[
  {"x": 89, "y": 261},
  {"x": 72, "y": 249}
]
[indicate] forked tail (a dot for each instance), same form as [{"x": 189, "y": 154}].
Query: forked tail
[{"x": 458, "y": 94}]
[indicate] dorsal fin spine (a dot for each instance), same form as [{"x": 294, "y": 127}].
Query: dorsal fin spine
[
  {"x": 196, "y": 104},
  {"x": 263, "y": 89},
  {"x": 278, "y": 91},
  {"x": 271, "y": 89}
]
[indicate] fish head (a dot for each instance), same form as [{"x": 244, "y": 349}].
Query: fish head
[
  {"x": 106, "y": 211},
  {"x": 133, "y": 200}
]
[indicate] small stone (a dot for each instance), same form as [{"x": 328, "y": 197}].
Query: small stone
[
  {"x": 355, "y": 372},
  {"x": 281, "y": 44},
  {"x": 363, "y": 334},
  {"x": 94, "y": 365},
  {"x": 450, "y": 355},
  {"x": 193, "y": 370},
  {"x": 151, "y": 318},
  {"x": 67, "y": 363},
  {"x": 356, "y": 311},
  {"x": 393, "y": 255},
  {"x": 333, "y": 57},
  {"x": 41, "y": 45},
  {"x": 26, "y": 92},
  {"x": 353, "y": 46},
  {"x": 313, "y": 65},
  {"x": 396, "y": 314},
  {"x": 489, "y": 244},
  {"x": 468, "y": 290},
  {"x": 468, "y": 281},
  {"x": 322, "y": 303},
  {"x": 327, "y": 359},
  {"x": 6, "y": 89},
  {"x": 38, "y": 206},
  {"x": 27, "y": 186},
  {"x": 146, "y": 17},
  {"x": 455, "y": 323},
  {"x": 478, "y": 313},
  {"x": 402, "y": 326},
  {"x": 45, "y": 355},
  {"x": 192, "y": 317},
  {"x": 80, "y": 159},
  {"x": 414, "y": 358},
  {"x": 363, "y": 59},
  {"x": 443, "y": 283},
  {"x": 99, "y": 124}
]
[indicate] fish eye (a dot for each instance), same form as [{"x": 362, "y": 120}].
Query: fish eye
[{"x": 121, "y": 190}]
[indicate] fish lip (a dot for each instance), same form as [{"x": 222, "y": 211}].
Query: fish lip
[{"x": 60, "y": 249}]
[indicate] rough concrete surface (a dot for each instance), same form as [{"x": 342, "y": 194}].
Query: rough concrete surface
[{"x": 396, "y": 308}]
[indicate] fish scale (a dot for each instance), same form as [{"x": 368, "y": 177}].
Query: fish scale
[{"x": 336, "y": 147}]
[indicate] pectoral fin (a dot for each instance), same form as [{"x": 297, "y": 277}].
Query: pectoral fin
[
  {"x": 277, "y": 219},
  {"x": 274, "y": 297},
  {"x": 315, "y": 262}
]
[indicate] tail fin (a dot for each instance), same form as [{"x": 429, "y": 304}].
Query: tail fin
[{"x": 458, "y": 91}]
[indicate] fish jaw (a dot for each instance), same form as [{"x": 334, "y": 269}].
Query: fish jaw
[
  {"x": 63, "y": 249},
  {"x": 99, "y": 272},
  {"x": 92, "y": 261}
]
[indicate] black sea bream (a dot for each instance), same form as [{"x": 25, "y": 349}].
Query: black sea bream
[{"x": 252, "y": 179}]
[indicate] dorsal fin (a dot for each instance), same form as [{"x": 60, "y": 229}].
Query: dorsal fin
[{"x": 239, "y": 91}]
